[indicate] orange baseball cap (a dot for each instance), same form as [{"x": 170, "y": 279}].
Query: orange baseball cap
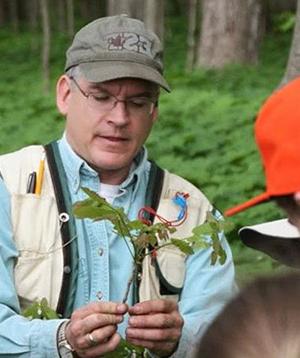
[{"x": 277, "y": 134}]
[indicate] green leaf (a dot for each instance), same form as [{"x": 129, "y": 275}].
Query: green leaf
[
  {"x": 201, "y": 230},
  {"x": 135, "y": 225},
  {"x": 198, "y": 243},
  {"x": 41, "y": 310},
  {"x": 91, "y": 212},
  {"x": 222, "y": 256},
  {"x": 126, "y": 350},
  {"x": 182, "y": 245},
  {"x": 213, "y": 258},
  {"x": 94, "y": 196}
]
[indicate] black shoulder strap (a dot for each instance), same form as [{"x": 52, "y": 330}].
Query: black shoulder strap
[
  {"x": 68, "y": 230},
  {"x": 153, "y": 194},
  {"x": 155, "y": 184},
  {"x": 154, "y": 188}
]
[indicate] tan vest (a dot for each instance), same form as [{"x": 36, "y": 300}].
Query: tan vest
[{"x": 36, "y": 230}]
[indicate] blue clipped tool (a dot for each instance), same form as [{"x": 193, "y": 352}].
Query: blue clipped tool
[{"x": 180, "y": 200}]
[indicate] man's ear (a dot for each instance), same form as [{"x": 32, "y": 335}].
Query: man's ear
[
  {"x": 63, "y": 92},
  {"x": 154, "y": 114},
  {"x": 297, "y": 197}
]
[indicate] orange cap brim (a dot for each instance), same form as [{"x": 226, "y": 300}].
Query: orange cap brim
[{"x": 241, "y": 207}]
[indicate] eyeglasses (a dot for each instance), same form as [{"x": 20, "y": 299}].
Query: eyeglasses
[{"x": 105, "y": 102}]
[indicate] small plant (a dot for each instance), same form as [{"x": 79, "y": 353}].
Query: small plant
[
  {"x": 40, "y": 310},
  {"x": 142, "y": 239},
  {"x": 145, "y": 239}
]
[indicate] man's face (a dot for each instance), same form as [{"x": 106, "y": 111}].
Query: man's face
[{"x": 107, "y": 139}]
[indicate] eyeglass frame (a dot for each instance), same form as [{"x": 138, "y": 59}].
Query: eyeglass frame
[{"x": 87, "y": 95}]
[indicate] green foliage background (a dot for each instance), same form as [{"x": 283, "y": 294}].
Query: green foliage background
[{"x": 205, "y": 130}]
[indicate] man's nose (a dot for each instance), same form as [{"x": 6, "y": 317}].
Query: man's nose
[{"x": 119, "y": 113}]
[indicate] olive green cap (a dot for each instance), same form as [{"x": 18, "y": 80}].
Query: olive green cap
[{"x": 116, "y": 47}]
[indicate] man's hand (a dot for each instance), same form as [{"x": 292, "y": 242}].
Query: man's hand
[
  {"x": 92, "y": 328},
  {"x": 155, "y": 325}
]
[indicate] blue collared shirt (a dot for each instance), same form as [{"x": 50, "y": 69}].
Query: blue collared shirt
[{"x": 105, "y": 265}]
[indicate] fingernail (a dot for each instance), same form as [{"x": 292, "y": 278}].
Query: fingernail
[
  {"x": 121, "y": 308},
  {"x": 136, "y": 308},
  {"x": 132, "y": 321}
]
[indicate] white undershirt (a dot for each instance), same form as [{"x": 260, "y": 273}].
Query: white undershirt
[{"x": 109, "y": 192}]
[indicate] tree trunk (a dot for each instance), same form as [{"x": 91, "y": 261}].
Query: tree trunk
[
  {"x": 61, "y": 15},
  {"x": 13, "y": 11},
  {"x": 191, "y": 37},
  {"x": 293, "y": 65},
  {"x": 154, "y": 16},
  {"x": 115, "y": 7},
  {"x": 92, "y": 9},
  {"x": 278, "y": 6},
  {"x": 132, "y": 8},
  {"x": 32, "y": 14},
  {"x": 150, "y": 11},
  {"x": 230, "y": 33},
  {"x": 46, "y": 44},
  {"x": 97, "y": 8},
  {"x": 70, "y": 18},
  {"x": 2, "y": 13}
]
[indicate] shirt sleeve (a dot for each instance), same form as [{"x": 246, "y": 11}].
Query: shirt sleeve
[
  {"x": 19, "y": 337},
  {"x": 206, "y": 290}
]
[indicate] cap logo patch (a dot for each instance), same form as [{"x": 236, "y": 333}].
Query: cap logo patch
[{"x": 129, "y": 41}]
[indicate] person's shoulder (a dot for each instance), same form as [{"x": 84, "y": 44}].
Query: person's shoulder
[
  {"x": 22, "y": 153},
  {"x": 21, "y": 159},
  {"x": 176, "y": 183}
]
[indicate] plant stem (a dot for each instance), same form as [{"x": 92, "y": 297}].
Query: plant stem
[
  {"x": 130, "y": 281},
  {"x": 157, "y": 248},
  {"x": 124, "y": 234}
]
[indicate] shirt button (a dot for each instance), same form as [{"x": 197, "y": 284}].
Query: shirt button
[
  {"x": 67, "y": 269},
  {"x": 99, "y": 295},
  {"x": 100, "y": 251}
]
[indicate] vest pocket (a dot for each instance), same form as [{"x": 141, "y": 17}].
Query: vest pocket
[
  {"x": 170, "y": 270},
  {"x": 38, "y": 272},
  {"x": 164, "y": 276}
]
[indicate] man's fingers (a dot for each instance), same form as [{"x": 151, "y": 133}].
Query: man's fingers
[
  {"x": 100, "y": 349},
  {"x": 78, "y": 328},
  {"x": 96, "y": 337},
  {"x": 152, "y": 306},
  {"x": 100, "y": 307},
  {"x": 157, "y": 335},
  {"x": 94, "y": 324},
  {"x": 156, "y": 325},
  {"x": 157, "y": 320}
]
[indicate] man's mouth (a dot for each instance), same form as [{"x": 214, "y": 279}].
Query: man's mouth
[{"x": 114, "y": 139}]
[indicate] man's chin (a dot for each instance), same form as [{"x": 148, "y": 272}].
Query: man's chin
[{"x": 112, "y": 163}]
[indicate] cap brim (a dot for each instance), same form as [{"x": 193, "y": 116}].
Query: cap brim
[
  {"x": 102, "y": 71},
  {"x": 248, "y": 204},
  {"x": 278, "y": 239}
]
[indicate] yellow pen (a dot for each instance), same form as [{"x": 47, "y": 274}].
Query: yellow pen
[{"x": 40, "y": 177}]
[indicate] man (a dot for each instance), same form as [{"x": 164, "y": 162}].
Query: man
[
  {"x": 108, "y": 95},
  {"x": 277, "y": 131}
]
